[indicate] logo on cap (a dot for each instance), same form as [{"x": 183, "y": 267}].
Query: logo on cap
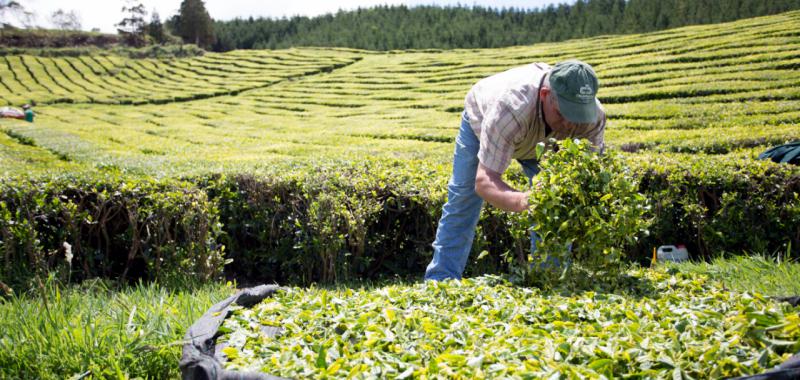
[{"x": 585, "y": 93}]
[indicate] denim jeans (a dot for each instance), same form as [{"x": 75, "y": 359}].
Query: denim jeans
[{"x": 461, "y": 212}]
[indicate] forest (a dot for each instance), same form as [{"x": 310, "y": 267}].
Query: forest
[{"x": 434, "y": 27}]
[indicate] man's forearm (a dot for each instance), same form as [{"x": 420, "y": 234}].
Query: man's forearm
[{"x": 490, "y": 186}]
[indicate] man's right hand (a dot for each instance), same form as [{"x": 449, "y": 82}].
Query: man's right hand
[
  {"x": 490, "y": 186},
  {"x": 524, "y": 203}
]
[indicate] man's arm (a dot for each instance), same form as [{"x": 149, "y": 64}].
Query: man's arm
[{"x": 490, "y": 186}]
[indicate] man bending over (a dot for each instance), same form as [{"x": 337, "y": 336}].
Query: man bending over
[{"x": 505, "y": 116}]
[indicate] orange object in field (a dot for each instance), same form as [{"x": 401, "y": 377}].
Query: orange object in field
[{"x": 654, "y": 259}]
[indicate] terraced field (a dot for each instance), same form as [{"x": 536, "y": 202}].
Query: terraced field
[
  {"x": 108, "y": 79},
  {"x": 725, "y": 90},
  {"x": 329, "y": 166}
]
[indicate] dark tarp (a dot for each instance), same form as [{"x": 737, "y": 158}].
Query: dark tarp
[
  {"x": 789, "y": 370},
  {"x": 200, "y": 359},
  {"x": 786, "y": 153},
  {"x": 794, "y": 301}
]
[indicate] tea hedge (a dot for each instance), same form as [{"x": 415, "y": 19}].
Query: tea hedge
[
  {"x": 735, "y": 205},
  {"x": 738, "y": 207},
  {"x": 107, "y": 226},
  {"x": 339, "y": 220}
]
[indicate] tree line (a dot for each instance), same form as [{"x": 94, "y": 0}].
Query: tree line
[{"x": 422, "y": 27}]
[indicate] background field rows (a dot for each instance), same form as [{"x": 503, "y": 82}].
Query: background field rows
[{"x": 735, "y": 91}]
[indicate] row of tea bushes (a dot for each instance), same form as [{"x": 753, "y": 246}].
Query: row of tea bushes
[
  {"x": 115, "y": 79},
  {"x": 337, "y": 221},
  {"x": 340, "y": 221},
  {"x": 105, "y": 225},
  {"x": 332, "y": 221},
  {"x": 721, "y": 205}
]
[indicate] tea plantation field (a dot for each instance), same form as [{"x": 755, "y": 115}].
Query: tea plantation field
[
  {"x": 724, "y": 90},
  {"x": 329, "y": 166}
]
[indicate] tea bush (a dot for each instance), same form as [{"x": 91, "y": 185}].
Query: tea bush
[
  {"x": 586, "y": 208},
  {"x": 736, "y": 206},
  {"x": 337, "y": 221},
  {"x": 107, "y": 226},
  {"x": 340, "y": 220}
]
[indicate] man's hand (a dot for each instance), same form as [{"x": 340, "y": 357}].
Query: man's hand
[
  {"x": 491, "y": 187},
  {"x": 522, "y": 203},
  {"x": 525, "y": 205}
]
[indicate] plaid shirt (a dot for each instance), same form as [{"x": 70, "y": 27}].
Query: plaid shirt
[{"x": 505, "y": 113}]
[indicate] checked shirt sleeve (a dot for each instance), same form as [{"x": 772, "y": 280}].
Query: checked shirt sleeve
[{"x": 499, "y": 129}]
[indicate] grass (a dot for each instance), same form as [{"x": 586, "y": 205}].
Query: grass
[
  {"x": 92, "y": 330},
  {"x": 95, "y": 330},
  {"x": 757, "y": 273}
]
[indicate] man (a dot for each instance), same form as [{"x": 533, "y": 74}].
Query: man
[
  {"x": 505, "y": 116},
  {"x": 28, "y": 113}
]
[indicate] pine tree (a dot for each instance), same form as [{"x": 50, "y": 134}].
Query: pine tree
[
  {"x": 7, "y": 5},
  {"x": 132, "y": 27},
  {"x": 14, "y": 9},
  {"x": 155, "y": 29},
  {"x": 194, "y": 24}
]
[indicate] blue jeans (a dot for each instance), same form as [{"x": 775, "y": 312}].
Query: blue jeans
[{"x": 463, "y": 208}]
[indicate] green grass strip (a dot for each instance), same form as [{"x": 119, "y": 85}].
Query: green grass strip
[{"x": 95, "y": 331}]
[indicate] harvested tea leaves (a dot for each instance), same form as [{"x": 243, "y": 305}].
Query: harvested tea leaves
[{"x": 667, "y": 325}]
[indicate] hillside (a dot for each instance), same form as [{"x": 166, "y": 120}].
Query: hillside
[
  {"x": 699, "y": 89},
  {"x": 148, "y": 190}
]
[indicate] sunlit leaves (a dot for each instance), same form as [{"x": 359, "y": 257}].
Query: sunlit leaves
[
  {"x": 585, "y": 207},
  {"x": 660, "y": 326}
]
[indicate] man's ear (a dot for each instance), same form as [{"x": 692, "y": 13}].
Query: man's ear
[{"x": 544, "y": 92}]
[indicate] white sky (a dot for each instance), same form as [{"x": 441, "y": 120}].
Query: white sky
[{"x": 104, "y": 14}]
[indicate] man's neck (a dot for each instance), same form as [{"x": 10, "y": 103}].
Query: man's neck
[{"x": 547, "y": 128}]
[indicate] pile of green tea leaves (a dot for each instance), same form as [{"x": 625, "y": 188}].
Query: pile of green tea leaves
[{"x": 661, "y": 325}]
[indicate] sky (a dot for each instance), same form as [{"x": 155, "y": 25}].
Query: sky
[{"x": 103, "y": 14}]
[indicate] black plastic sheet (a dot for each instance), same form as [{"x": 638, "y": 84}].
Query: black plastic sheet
[{"x": 199, "y": 360}]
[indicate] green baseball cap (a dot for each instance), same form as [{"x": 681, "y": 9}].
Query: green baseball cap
[{"x": 575, "y": 85}]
